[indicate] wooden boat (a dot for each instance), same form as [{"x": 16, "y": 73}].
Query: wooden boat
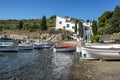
[
  {"x": 64, "y": 48},
  {"x": 104, "y": 52}
]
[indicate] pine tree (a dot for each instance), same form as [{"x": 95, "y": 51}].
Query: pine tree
[
  {"x": 115, "y": 21},
  {"x": 43, "y": 23},
  {"x": 80, "y": 29},
  {"x": 20, "y": 26},
  {"x": 76, "y": 26},
  {"x": 94, "y": 27}
]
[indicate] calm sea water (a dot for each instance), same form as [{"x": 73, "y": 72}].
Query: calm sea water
[{"x": 35, "y": 65}]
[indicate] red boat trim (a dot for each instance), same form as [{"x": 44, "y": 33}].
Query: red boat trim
[{"x": 65, "y": 47}]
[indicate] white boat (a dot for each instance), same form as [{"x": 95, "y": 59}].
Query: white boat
[
  {"x": 38, "y": 46},
  {"x": 25, "y": 46},
  {"x": 101, "y": 52},
  {"x": 7, "y": 45},
  {"x": 64, "y": 49},
  {"x": 43, "y": 45}
]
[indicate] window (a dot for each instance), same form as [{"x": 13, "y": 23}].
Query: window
[
  {"x": 86, "y": 28},
  {"x": 73, "y": 27},
  {"x": 60, "y": 22},
  {"x": 68, "y": 25}
]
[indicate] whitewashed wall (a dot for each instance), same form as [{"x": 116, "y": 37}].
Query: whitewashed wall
[
  {"x": 86, "y": 33},
  {"x": 58, "y": 20},
  {"x": 64, "y": 24}
]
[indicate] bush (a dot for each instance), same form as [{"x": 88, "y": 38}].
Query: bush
[
  {"x": 115, "y": 36},
  {"x": 95, "y": 38}
]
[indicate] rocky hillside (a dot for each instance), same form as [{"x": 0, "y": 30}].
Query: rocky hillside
[{"x": 52, "y": 36}]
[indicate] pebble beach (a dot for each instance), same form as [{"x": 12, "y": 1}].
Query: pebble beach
[
  {"x": 82, "y": 69},
  {"x": 94, "y": 70}
]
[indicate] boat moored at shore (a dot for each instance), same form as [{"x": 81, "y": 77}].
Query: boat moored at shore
[
  {"x": 64, "y": 49},
  {"x": 106, "y": 53},
  {"x": 25, "y": 46},
  {"x": 8, "y": 45},
  {"x": 43, "y": 45}
]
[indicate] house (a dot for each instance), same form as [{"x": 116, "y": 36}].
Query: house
[
  {"x": 68, "y": 24},
  {"x": 65, "y": 23},
  {"x": 87, "y": 31}
]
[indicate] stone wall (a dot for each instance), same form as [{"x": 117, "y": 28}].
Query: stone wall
[{"x": 34, "y": 35}]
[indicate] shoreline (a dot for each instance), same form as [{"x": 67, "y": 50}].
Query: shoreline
[{"x": 82, "y": 69}]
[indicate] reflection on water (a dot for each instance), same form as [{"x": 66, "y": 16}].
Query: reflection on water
[{"x": 35, "y": 65}]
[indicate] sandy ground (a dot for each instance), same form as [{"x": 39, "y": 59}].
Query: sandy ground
[
  {"x": 95, "y": 70},
  {"x": 106, "y": 70}
]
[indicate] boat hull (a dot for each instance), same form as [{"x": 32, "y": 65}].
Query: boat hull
[
  {"x": 64, "y": 49},
  {"x": 8, "y": 48},
  {"x": 25, "y": 47},
  {"x": 100, "y": 53},
  {"x": 43, "y": 46}
]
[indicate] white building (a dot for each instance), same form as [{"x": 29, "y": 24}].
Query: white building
[
  {"x": 68, "y": 24},
  {"x": 64, "y": 23},
  {"x": 87, "y": 31}
]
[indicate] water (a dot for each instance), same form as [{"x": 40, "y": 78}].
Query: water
[{"x": 35, "y": 65}]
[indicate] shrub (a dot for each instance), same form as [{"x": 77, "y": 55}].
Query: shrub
[
  {"x": 115, "y": 36},
  {"x": 95, "y": 38}
]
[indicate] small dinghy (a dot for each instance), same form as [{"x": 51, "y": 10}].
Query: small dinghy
[{"x": 64, "y": 49}]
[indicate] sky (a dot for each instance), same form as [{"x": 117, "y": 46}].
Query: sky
[{"x": 36, "y": 9}]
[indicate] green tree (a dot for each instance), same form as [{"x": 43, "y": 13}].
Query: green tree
[
  {"x": 80, "y": 29},
  {"x": 87, "y": 21},
  {"x": 94, "y": 27},
  {"x": 13, "y": 27},
  {"x": 51, "y": 21},
  {"x": 43, "y": 23},
  {"x": 76, "y": 22},
  {"x": 115, "y": 21},
  {"x": 53, "y": 17},
  {"x": 95, "y": 38},
  {"x": 103, "y": 18},
  {"x": 20, "y": 26},
  {"x": 104, "y": 22},
  {"x": 1, "y": 27}
]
